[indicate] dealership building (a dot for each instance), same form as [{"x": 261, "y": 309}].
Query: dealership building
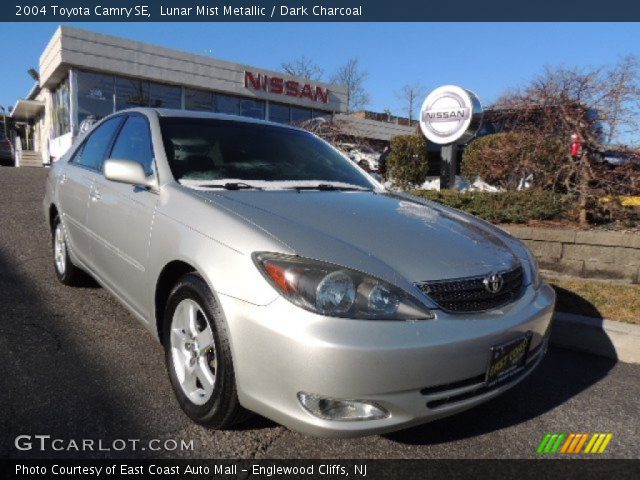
[{"x": 84, "y": 76}]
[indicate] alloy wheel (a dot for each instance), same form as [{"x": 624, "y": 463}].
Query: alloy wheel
[
  {"x": 193, "y": 351},
  {"x": 60, "y": 250}
]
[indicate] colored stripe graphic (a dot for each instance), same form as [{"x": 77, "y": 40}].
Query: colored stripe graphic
[
  {"x": 590, "y": 444},
  {"x": 567, "y": 442},
  {"x": 550, "y": 443},
  {"x": 606, "y": 441},
  {"x": 581, "y": 442},
  {"x": 573, "y": 443},
  {"x": 555, "y": 447},
  {"x": 596, "y": 445},
  {"x": 543, "y": 443}
]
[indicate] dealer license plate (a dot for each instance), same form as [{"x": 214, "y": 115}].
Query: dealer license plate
[{"x": 507, "y": 359}]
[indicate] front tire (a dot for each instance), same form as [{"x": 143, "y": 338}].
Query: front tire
[
  {"x": 66, "y": 271},
  {"x": 198, "y": 355}
]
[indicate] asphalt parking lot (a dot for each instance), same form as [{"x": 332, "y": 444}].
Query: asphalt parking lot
[{"x": 77, "y": 365}]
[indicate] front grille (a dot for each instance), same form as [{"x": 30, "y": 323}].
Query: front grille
[{"x": 470, "y": 294}]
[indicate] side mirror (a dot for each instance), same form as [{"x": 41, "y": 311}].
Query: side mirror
[{"x": 126, "y": 171}]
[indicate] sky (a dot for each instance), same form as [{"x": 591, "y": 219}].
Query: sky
[{"x": 487, "y": 58}]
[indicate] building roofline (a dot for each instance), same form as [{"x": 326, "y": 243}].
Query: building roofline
[
  {"x": 176, "y": 53},
  {"x": 33, "y": 92}
]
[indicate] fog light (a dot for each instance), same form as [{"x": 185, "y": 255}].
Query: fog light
[{"x": 341, "y": 410}]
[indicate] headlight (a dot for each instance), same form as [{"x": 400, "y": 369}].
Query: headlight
[
  {"x": 335, "y": 291},
  {"x": 534, "y": 269}
]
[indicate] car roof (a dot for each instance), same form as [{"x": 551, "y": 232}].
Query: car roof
[{"x": 179, "y": 113}]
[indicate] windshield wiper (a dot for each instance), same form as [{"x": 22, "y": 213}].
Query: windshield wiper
[
  {"x": 232, "y": 186},
  {"x": 327, "y": 187}
]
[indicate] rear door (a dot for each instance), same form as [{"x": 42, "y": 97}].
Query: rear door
[
  {"x": 76, "y": 184},
  {"x": 122, "y": 217}
]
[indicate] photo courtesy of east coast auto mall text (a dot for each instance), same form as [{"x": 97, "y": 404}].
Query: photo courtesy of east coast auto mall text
[{"x": 319, "y": 240}]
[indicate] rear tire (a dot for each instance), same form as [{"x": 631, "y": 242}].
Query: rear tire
[
  {"x": 198, "y": 355},
  {"x": 66, "y": 271}
]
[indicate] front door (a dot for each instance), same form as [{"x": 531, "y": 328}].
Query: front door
[{"x": 121, "y": 216}]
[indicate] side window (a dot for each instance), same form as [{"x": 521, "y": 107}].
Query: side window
[
  {"x": 134, "y": 143},
  {"x": 92, "y": 152}
]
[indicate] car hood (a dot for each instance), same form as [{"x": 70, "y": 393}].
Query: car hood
[{"x": 363, "y": 230}]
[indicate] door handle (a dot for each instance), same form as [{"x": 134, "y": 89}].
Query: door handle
[{"x": 95, "y": 195}]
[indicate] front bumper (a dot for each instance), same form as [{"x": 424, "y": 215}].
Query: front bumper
[{"x": 418, "y": 371}]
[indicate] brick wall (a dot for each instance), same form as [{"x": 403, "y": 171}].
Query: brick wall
[{"x": 590, "y": 254}]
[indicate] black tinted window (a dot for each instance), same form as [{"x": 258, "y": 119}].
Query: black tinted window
[
  {"x": 134, "y": 143},
  {"x": 207, "y": 149},
  {"x": 92, "y": 152},
  {"x": 95, "y": 95},
  {"x": 299, "y": 115},
  {"x": 131, "y": 92},
  {"x": 279, "y": 113},
  {"x": 198, "y": 100},
  {"x": 165, "y": 96}
]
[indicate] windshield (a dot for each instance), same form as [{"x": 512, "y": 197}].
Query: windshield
[{"x": 203, "y": 151}]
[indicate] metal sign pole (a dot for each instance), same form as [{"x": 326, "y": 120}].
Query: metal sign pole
[{"x": 448, "y": 166}]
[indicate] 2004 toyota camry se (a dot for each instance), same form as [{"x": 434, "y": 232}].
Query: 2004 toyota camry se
[{"x": 281, "y": 279}]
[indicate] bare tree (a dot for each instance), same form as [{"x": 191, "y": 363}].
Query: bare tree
[
  {"x": 334, "y": 131},
  {"x": 329, "y": 129},
  {"x": 410, "y": 95},
  {"x": 352, "y": 77},
  {"x": 597, "y": 104},
  {"x": 600, "y": 104},
  {"x": 303, "y": 67}
]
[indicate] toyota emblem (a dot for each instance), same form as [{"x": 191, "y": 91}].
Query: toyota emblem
[{"x": 493, "y": 283}]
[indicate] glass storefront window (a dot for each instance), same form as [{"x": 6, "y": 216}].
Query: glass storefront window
[
  {"x": 252, "y": 108},
  {"x": 95, "y": 95},
  {"x": 131, "y": 93},
  {"x": 299, "y": 115},
  {"x": 165, "y": 96},
  {"x": 99, "y": 95},
  {"x": 227, "y": 104},
  {"x": 279, "y": 113},
  {"x": 60, "y": 112},
  {"x": 200, "y": 100}
]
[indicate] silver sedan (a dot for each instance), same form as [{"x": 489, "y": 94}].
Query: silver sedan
[{"x": 281, "y": 279}]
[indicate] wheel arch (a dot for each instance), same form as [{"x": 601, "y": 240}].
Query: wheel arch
[
  {"x": 169, "y": 276},
  {"x": 53, "y": 213}
]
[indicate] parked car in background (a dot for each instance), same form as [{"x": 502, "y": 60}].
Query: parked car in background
[
  {"x": 282, "y": 279},
  {"x": 6, "y": 149},
  {"x": 365, "y": 157},
  {"x": 616, "y": 157}
]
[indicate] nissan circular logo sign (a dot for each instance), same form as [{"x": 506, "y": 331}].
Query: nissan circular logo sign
[{"x": 450, "y": 114}]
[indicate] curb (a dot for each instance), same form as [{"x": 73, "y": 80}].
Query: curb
[{"x": 607, "y": 338}]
